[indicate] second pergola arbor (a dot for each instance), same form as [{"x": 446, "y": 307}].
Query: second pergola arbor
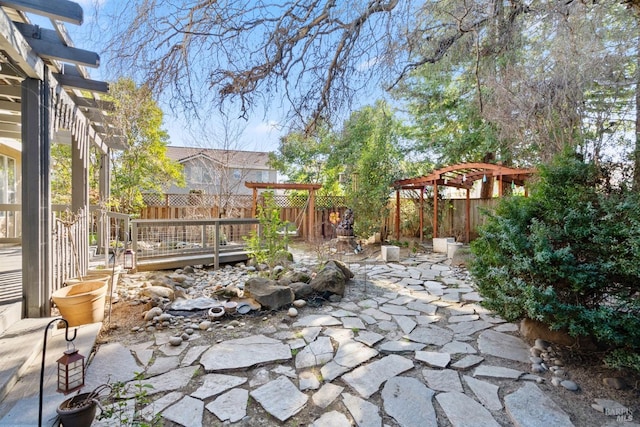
[{"x": 463, "y": 176}]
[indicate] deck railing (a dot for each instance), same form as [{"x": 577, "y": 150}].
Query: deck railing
[
  {"x": 10, "y": 222},
  {"x": 189, "y": 237}
]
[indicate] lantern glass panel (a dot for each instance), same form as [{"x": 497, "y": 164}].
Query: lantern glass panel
[
  {"x": 129, "y": 259},
  {"x": 70, "y": 371}
]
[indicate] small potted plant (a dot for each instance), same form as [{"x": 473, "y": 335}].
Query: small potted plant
[{"x": 80, "y": 410}]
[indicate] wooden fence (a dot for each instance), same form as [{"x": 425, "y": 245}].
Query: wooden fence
[{"x": 293, "y": 209}]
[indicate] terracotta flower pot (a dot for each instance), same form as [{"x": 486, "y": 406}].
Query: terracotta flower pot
[{"x": 81, "y": 303}]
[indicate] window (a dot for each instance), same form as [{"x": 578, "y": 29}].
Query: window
[
  {"x": 237, "y": 174},
  {"x": 195, "y": 174},
  {"x": 262, "y": 176},
  {"x": 7, "y": 179}
]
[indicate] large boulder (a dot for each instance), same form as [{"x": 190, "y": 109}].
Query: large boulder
[
  {"x": 331, "y": 278},
  {"x": 343, "y": 267},
  {"x": 268, "y": 293},
  {"x": 302, "y": 290},
  {"x": 293, "y": 276}
]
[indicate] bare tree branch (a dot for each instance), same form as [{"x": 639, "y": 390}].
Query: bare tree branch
[{"x": 312, "y": 55}]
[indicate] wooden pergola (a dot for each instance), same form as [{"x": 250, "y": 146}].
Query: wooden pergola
[
  {"x": 311, "y": 188},
  {"x": 462, "y": 175}
]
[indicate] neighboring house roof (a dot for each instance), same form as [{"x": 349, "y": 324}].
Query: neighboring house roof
[{"x": 233, "y": 159}]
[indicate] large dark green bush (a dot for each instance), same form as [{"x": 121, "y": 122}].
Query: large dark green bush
[{"x": 568, "y": 255}]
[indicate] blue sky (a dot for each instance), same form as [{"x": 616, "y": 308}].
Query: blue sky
[{"x": 261, "y": 132}]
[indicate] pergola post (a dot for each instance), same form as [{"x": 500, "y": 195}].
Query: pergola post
[
  {"x": 104, "y": 188},
  {"x": 254, "y": 203},
  {"x": 311, "y": 213},
  {"x": 435, "y": 210},
  {"x": 36, "y": 198},
  {"x": 467, "y": 225},
  {"x": 398, "y": 215},
  {"x": 421, "y": 214},
  {"x": 80, "y": 200}
]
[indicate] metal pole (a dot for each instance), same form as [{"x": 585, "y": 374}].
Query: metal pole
[{"x": 44, "y": 351}]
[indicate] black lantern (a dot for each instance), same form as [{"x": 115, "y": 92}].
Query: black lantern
[
  {"x": 129, "y": 259},
  {"x": 70, "y": 371}
]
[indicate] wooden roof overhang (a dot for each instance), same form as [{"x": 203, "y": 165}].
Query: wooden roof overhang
[
  {"x": 311, "y": 188},
  {"x": 462, "y": 175}
]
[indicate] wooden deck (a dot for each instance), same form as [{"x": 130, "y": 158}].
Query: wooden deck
[{"x": 168, "y": 262}]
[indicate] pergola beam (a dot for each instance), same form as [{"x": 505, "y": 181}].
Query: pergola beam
[
  {"x": 47, "y": 44},
  {"x": 62, "y": 10},
  {"x": 18, "y": 49},
  {"x": 67, "y": 80}
]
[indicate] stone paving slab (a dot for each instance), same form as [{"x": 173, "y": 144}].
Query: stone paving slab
[
  {"x": 171, "y": 381},
  {"x": 442, "y": 380},
  {"x": 114, "y": 363},
  {"x": 400, "y": 347},
  {"x": 353, "y": 323},
  {"x": 458, "y": 347},
  {"x": 431, "y": 334},
  {"x": 408, "y": 401},
  {"x": 163, "y": 365},
  {"x": 244, "y": 352},
  {"x": 434, "y": 359},
  {"x": 406, "y": 323},
  {"x": 530, "y": 407},
  {"x": 214, "y": 384},
  {"x": 317, "y": 353},
  {"x": 193, "y": 354},
  {"x": 280, "y": 397},
  {"x": 485, "y": 392},
  {"x": 150, "y": 411},
  {"x": 326, "y": 395},
  {"x": 503, "y": 345},
  {"x": 349, "y": 355},
  {"x": 186, "y": 412},
  {"x": 332, "y": 419},
  {"x": 467, "y": 362},
  {"x": 367, "y": 379},
  {"x": 364, "y": 413},
  {"x": 317, "y": 320},
  {"x": 463, "y": 411},
  {"x": 230, "y": 406},
  {"x": 308, "y": 380},
  {"x": 497, "y": 372},
  {"x": 369, "y": 338}
]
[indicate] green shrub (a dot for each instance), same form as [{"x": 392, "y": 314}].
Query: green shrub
[
  {"x": 568, "y": 256},
  {"x": 268, "y": 244}
]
